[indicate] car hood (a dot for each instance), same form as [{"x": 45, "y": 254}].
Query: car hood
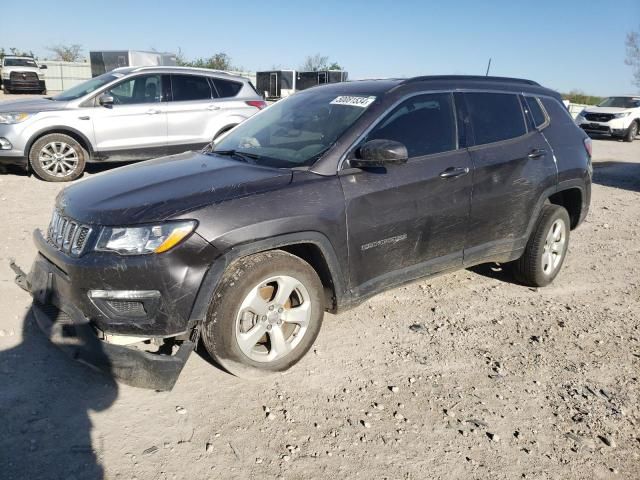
[
  {"x": 31, "y": 105},
  {"x": 166, "y": 187},
  {"x": 606, "y": 109}
]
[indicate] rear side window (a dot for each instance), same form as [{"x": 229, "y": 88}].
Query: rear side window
[
  {"x": 190, "y": 87},
  {"x": 495, "y": 116},
  {"x": 558, "y": 112},
  {"x": 539, "y": 118},
  {"x": 226, "y": 88},
  {"x": 425, "y": 124}
]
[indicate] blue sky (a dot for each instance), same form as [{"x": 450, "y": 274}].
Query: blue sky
[{"x": 563, "y": 44}]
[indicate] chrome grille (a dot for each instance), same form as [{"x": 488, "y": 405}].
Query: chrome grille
[{"x": 67, "y": 235}]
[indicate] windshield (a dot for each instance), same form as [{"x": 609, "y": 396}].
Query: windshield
[
  {"x": 620, "y": 102},
  {"x": 87, "y": 87},
  {"x": 20, "y": 62},
  {"x": 295, "y": 131}
]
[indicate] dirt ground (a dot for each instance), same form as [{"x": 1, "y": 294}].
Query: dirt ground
[{"x": 490, "y": 379}]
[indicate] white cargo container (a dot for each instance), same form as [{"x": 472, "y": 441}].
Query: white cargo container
[{"x": 106, "y": 60}]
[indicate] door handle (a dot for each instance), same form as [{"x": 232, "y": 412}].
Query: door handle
[
  {"x": 84, "y": 117},
  {"x": 537, "y": 153},
  {"x": 152, "y": 111},
  {"x": 213, "y": 107},
  {"x": 453, "y": 172}
]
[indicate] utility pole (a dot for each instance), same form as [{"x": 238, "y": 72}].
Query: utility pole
[{"x": 488, "y": 67}]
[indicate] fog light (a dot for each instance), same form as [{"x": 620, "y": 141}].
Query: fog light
[
  {"x": 124, "y": 294},
  {"x": 5, "y": 144}
]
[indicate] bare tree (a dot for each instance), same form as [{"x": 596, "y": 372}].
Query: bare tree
[
  {"x": 314, "y": 63},
  {"x": 633, "y": 55},
  {"x": 67, "y": 53}
]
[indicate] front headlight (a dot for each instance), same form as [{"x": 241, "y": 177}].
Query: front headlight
[
  {"x": 583, "y": 113},
  {"x": 13, "y": 117},
  {"x": 145, "y": 239},
  {"x": 621, "y": 115}
]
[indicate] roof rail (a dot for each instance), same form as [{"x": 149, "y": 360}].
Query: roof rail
[
  {"x": 472, "y": 77},
  {"x": 186, "y": 69}
]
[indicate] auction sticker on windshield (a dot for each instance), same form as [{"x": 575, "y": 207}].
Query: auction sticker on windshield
[{"x": 353, "y": 101}]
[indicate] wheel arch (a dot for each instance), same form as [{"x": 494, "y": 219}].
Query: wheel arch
[
  {"x": 312, "y": 247},
  {"x": 64, "y": 130},
  {"x": 571, "y": 199}
]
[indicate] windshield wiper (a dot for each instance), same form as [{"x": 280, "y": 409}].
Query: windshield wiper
[{"x": 244, "y": 156}]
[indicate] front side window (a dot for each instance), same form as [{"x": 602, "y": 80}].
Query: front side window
[
  {"x": 85, "y": 88},
  {"x": 295, "y": 131},
  {"x": 226, "y": 88},
  {"x": 140, "y": 89},
  {"x": 425, "y": 124},
  {"x": 539, "y": 118},
  {"x": 190, "y": 87},
  {"x": 495, "y": 116}
]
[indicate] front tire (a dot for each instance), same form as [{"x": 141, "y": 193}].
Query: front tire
[
  {"x": 57, "y": 158},
  {"x": 632, "y": 132},
  {"x": 265, "y": 314},
  {"x": 546, "y": 249}
]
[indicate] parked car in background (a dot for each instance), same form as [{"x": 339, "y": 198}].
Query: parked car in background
[
  {"x": 315, "y": 204},
  {"x": 614, "y": 116},
  {"x": 125, "y": 115},
  {"x": 22, "y": 74}
]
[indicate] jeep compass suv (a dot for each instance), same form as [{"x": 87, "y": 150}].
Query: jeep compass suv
[
  {"x": 314, "y": 204},
  {"x": 131, "y": 113}
]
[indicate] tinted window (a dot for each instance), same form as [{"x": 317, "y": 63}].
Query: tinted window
[
  {"x": 495, "y": 116},
  {"x": 536, "y": 111},
  {"x": 425, "y": 124},
  {"x": 226, "y": 88},
  {"x": 190, "y": 87},
  {"x": 557, "y": 111},
  {"x": 140, "y": 89}
]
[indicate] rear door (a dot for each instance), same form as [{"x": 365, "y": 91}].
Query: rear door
[
  {"x": 135, "y": 126},
  {"x": 408, "y": 220},
  {"x": 190, "y": 112},
  {"x": 513, "y": 168}
]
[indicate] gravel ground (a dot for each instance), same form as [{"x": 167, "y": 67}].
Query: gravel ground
[{"x": 462, "y": 376}]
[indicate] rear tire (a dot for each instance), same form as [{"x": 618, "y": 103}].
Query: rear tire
[
  {"x": 546, "y": 249},
  {"x": 57, "y": 158},
  {"x": 265, "y": 314},
  {"x": 632, "y": 132}
]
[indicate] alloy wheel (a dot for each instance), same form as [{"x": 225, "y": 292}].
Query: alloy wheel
[
  {"x": 273, "y": 318},
  {"x": 59, "y": 159},
  {"x": 554, "y": 247}
]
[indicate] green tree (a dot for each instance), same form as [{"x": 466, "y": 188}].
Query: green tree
[
  {"x": 633, "y": 55},
  {"x": 576, "y": 96},
  {"x": 66, "y": 53},
  {"x": 218, "y": 61}
]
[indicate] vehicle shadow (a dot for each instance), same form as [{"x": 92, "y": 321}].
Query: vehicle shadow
[
  {"x": 496, "y": 271},
  {"x": 45, "y": 400},
  {"x": 624, "y": 175}
]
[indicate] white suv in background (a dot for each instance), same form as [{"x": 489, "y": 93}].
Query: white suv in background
[
  {"x": 615, "y": 116},
  {"x": 131, "y": 113}
]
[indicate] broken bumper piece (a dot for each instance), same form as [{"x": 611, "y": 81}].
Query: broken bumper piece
[{"x": 73, "y": 333}]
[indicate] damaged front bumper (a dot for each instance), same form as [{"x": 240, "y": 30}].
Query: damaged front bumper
[{"x": 62, "y": 320}]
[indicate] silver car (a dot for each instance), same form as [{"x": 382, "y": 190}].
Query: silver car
[{"x": 132, "y": 113}]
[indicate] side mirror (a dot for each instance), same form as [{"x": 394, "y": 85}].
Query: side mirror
[
  {"x": 105, "y": 100},
  {"x": 377, "y": 153},
  {"x": 43, "y": 67}
]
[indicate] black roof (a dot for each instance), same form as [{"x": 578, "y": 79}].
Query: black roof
[{"x": 382, "y": 86}]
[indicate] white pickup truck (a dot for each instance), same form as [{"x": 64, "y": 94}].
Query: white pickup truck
[
  {"x": 615, "y": 116},
  {"x": 22, "y": 74}
]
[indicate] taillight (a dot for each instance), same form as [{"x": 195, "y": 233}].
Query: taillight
[
  {"x": 259, "y": 104},
  {"x": 587, "y": 146}
]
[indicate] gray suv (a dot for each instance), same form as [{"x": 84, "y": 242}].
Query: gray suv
[{"x": 133, "y": 113}]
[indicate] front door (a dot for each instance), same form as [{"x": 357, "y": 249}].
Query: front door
[
  {"x": 135, "y": 126},
  {"x": 409, "y": 220},
  {"x": 513, "y": 167}
]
